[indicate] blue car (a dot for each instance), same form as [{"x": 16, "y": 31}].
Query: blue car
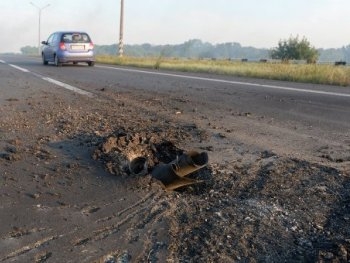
[{"x": 68, "y": 47}]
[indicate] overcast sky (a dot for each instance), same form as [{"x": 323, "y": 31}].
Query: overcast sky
[{"x": 258, "y": 23}]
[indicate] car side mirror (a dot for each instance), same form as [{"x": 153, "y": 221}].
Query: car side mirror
[{"x": 44, "y": 42}]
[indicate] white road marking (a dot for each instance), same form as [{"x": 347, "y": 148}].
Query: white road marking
[
  {"x": 320, "y": 92},
  {"x": 53, "y": 81},
  {"x": 19, "y": 68},
  {"x": 68, "y": 87}
]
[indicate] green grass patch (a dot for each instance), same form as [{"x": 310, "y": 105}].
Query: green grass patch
[{"x": 305, "y": 73}]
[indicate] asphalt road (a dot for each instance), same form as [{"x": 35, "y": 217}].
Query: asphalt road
[{"x": 313, "y": 111}]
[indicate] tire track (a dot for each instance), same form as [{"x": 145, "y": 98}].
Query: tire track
[
  {"x": 29, "y": 248},
  {"x": 141, "y": 207}
]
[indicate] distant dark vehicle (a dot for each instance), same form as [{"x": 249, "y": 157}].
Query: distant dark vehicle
[
  {"x": 68, "y": 47},
  {"x": 340, "y": 63}
]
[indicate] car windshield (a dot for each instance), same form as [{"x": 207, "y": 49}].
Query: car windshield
[{"x": 75, "y": 38}]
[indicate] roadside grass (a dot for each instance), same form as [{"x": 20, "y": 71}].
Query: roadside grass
[{"x": 305, "y": 73}]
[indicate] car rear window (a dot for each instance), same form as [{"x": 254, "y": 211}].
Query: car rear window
[{"x": 75, "y": 38}]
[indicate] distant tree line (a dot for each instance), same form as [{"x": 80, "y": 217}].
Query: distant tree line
[
  {"x": 28, "y": 50},
  {"x": 292, "y": 48},
  {"x": 194, "y": 48}
]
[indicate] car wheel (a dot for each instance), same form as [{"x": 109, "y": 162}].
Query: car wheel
[
  {"x": 45, "y": 62},
  {"x": 91, "y": 63},
  {"x": 57, "y": 62}
]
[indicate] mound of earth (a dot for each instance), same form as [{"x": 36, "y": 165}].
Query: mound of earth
[{"x": 267, "y": 209}]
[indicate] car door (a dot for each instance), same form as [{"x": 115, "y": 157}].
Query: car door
[{"x": 50, "y": 48}]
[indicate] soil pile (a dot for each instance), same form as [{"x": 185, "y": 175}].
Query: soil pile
[{"x": 264, "y": 208}]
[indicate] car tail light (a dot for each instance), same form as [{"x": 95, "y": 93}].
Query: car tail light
[
  {"x": 91, "y": 46},
  {"x": 62, "y": 46}
]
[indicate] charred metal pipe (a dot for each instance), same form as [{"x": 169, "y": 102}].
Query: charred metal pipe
[
  {"x": 189, "y": 163},
  {"x": 138, "y": 166},
  {"x": 172, "y": 175},
  {"x": 171, "y": 181}
]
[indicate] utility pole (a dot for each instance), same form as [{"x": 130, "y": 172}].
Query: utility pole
[
  {"x": 121, "y": 30},
  {"x": 39, "y": 34}
]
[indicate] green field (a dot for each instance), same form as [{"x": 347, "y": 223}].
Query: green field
[{"x": 306, "y": 73}]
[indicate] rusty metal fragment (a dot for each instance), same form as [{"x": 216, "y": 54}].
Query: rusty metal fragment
[{"x": 172, "y": 175}]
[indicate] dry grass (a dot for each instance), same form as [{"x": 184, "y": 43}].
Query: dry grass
[{"x": 306, "y": 73}]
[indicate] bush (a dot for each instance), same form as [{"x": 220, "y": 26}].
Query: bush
[{"x": 295, "y": 49}]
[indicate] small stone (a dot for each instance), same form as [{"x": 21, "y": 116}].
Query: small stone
[
  {"x": 319, "y": 227},
  {"x": 249, "y": 219},
  {"x": 221, "y": 135},
  {"x": 124, "y": 258},
  {"x": 35, "y": 196},
  {"x": 219, "y": 214},
  {"x": 343, "y": 251},
  {"x": 329, "y": 256}
]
